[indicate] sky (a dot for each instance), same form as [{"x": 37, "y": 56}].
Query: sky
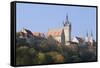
[{"x": 40, "y": 18}]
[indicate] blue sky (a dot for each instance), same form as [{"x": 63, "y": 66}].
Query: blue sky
[{"x": 39, "y": 18}]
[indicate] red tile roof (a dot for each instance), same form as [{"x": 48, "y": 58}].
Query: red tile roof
[
  {"x": 38, "y": 34},
  {"x": 54, "y": 32}
]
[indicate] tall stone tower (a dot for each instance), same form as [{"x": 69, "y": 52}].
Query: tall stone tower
[{"x": 67, "y": 31}]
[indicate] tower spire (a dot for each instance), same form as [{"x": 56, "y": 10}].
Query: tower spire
[
  {"x": 91, "y": 34},
  {"x": 64, "y": 23},
  {"x": 87, "y": 34},
  {"x": 67, "y": 21}
]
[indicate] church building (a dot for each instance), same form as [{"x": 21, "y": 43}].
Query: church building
[{"x": 62, "y": 35}]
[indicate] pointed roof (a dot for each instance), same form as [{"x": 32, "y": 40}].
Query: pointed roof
[
  {"x": 66, "y": 22},
  {"x": 67, "y": 18},
  {"x": 75, "y": 40},
  {"x": 55, "y": 32},
  {"x": 87, "y": 34},
  {"x": 26, "y": 31},
  {"x": 80, "y": 39},
  {"x": 91, "y": 34}
]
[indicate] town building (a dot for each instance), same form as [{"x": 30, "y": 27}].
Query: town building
[{"x": 62, "y": 35}]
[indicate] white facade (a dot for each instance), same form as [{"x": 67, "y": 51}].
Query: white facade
[
  {"x": 67, "y": 32},
  {"x": 58, "y": 39}
]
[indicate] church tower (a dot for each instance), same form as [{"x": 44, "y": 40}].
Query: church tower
[
  {"x": 67, "y": 31},
  {"x": 91, "y": 39}
]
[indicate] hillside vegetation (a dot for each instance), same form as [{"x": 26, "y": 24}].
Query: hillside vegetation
[{"x": 38, "y": 50}]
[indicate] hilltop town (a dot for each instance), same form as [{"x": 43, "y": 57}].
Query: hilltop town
[
  {"x": 56, "y": 46},
  {"x": 61, "y": 35}
]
